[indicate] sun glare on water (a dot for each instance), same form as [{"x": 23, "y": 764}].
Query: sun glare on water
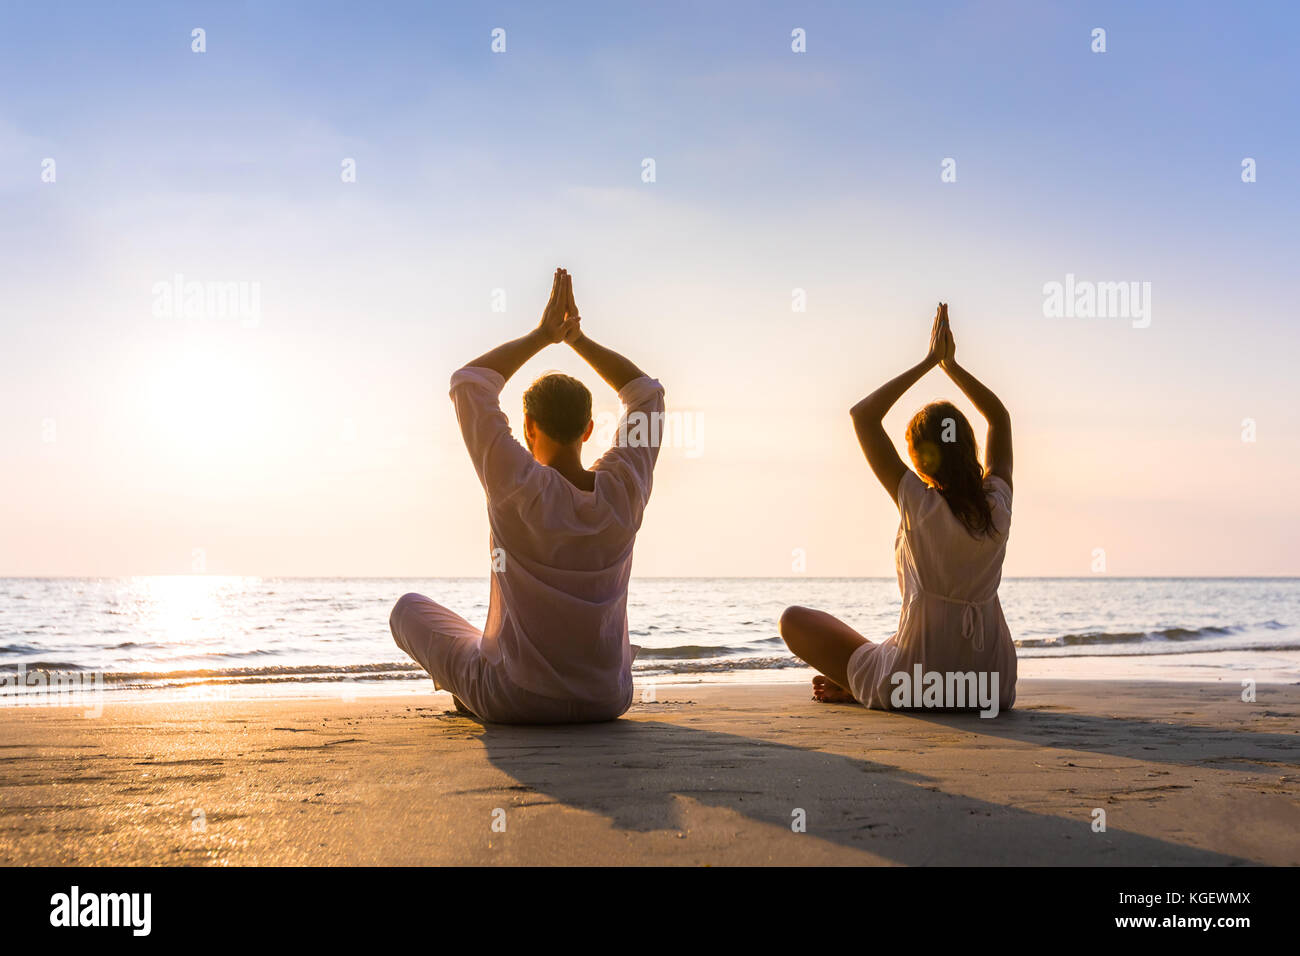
[{"x": 194, "y": 614}]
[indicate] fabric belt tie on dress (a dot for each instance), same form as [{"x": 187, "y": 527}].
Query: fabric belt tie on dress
[{"x": 972, "y": 617}]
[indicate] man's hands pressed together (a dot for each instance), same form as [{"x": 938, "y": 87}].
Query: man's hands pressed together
[
  {"x": 560, "y": 317},
  {"x": 572, "y": 319},
  {"x": 560, "y": 323}
]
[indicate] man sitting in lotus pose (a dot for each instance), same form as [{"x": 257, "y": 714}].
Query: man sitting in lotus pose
[{"x": 555, "y": 646}]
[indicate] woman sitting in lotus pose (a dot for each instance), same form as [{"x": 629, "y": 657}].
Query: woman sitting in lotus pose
[{"x": 952, "y": 537}]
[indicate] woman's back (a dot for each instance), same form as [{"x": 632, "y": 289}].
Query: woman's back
[
  {"x": 936, "y": 552},
  {"x": 951, "y": 621}
]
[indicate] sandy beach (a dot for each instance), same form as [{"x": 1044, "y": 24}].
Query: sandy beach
[{"x": 1187, "y": 774}]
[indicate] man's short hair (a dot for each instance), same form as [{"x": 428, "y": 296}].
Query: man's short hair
[{"x": 560, "y": 405}]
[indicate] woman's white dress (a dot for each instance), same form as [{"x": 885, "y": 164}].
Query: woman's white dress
[{"x": 951, "y": 620}]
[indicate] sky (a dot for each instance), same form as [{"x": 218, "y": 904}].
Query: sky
[{"x": 310, "y": 433}]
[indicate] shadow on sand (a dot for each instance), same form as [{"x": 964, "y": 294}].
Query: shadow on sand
[
  {"x": 633, "y": 773},
  {"x": 1155, "y": 741}
]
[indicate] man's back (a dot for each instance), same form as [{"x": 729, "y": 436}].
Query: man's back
[
  {"x": 561, "y": 556},
  {"x": 554, "y": 648}
]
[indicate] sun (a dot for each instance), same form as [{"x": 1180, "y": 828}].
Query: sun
[{"x": 206, "y": 399}]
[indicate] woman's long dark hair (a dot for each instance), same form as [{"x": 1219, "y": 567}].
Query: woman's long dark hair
[{"x": 943, "y": 448}]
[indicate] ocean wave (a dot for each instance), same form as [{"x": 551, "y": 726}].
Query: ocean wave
[
  {"x": 720, "y": 666},
  {"x": 297, "y": 671},
  {"x": 18, "y": 649},
  {"x": 697, "y": 651},
  {"x": 357, "y": 672},
  {"x": 48, "y": 667},
  {"x": 1172, "y": 634}
]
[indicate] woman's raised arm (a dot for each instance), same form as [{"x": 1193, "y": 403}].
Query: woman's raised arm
[
  {"x": 868, "y": 413},
  {"x": 997, "y": 447}
]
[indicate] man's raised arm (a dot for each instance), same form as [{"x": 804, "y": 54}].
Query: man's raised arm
[
  {"x": 615, "y": 369},
  {"x": 501, "y": 462},
  {"x": 508, "y": 358}
]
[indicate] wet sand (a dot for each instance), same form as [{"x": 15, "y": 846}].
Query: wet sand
[{"x": 1187, "y": 774}]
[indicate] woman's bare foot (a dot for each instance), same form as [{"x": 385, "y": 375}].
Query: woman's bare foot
[{"x": 827, "y": 691}]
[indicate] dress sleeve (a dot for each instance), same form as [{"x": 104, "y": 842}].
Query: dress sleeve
[
  {"x": 912, "y": 493},
  {"x": 638, "y": 435},
  {"x": 1000, "y": 492},
  {"x": 501, "y": 462}
]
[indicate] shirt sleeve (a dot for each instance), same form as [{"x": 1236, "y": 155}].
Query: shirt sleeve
[
  {"x": 501, "y": 462},
  {"x": 638, "y": 435}
]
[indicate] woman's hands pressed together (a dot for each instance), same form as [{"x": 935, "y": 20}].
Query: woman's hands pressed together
[{"x": 943, "y": 349}]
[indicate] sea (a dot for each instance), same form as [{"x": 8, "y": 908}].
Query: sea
[{"x": 201, "y": 635}]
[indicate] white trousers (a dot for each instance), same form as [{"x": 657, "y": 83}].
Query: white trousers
[{"x": 446, "y": 646}]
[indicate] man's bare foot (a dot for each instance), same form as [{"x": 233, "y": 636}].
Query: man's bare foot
[{"x": 827, "y": 691}]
